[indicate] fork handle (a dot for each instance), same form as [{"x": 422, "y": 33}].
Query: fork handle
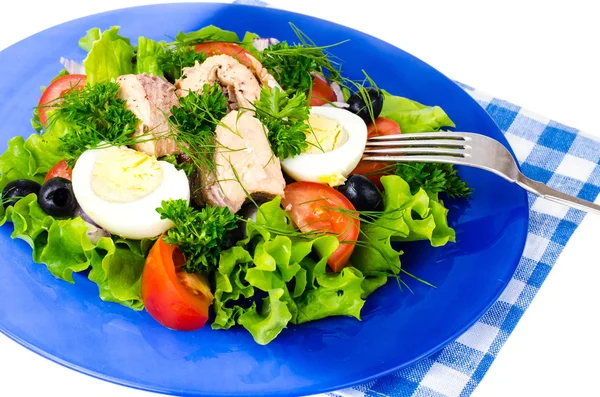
[{"x": 548, "y": 193}]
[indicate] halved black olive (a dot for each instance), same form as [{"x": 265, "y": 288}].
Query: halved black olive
[
  {"x": 358, "y": 106},
  {"x": 362, "y": 193},
  {"x": 56, "y": 198},
  {"x": 16, "y": 190}
]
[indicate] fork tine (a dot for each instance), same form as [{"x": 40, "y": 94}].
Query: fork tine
[
  {"x": 418, "y": 142},
  {"x": 423, "y": 135},
  {"x": 419, "y": 159},
  {"x": 458, "y": 152}
]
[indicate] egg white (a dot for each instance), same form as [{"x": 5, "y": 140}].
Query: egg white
[
  {"x": 137, "y": 219},
  {"x": 334, "y": 166}
]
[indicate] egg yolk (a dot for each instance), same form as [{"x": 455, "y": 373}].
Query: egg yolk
[
  {"x": 122, "y": 175},
  {"x": 324, "y": 135}
]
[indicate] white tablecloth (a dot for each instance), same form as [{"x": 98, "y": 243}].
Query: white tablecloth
[{"x": 540, "y": 55}]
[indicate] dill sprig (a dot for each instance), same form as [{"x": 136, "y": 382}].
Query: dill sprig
[
  {"x": 292, "y": 65},
  {"x": 175, "y": 59},
  {"x": 95, "y": 116},
  {"x": 285, "y": 120},
  {"x": 433, "y": 178},
  {"x": 200, "y": 234},
  {"x": 194, "y": 121}
]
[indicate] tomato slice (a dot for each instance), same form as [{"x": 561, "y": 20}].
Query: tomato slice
[
  {"x": 322, "y": 92},
  {"x": 177, "y": 301},
  {"x": 224, "y": 48},
  {"x": 383, "y": 126},
  {"x": 313, "y": 207},
  {"x": 374, "y": 170},
  {"x": 55, "y": 90},
  {"x": 60, "y": 169}
]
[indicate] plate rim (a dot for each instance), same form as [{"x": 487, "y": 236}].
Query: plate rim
[{"x": 168, "y": 391}]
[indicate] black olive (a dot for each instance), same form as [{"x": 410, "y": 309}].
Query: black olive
[
  {"x": 16, "y": 190},
  {"x": 358, "y": 106},
  {"x": 362, "y": 193},
  {"x": 247, "y": 212},
  {"x": 56, "y": 198}
]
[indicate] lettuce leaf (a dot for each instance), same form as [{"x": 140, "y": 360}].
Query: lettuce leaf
[
  {"x": 273, "y": 261},
  {"x": 148, "y": 56},
  {"x": 207, "y": 34},
  {"x": 110, "y": 56},
  {"x": 64, "y": 247},
  {"x": 413, "y": 116},
  {"x": 406, "y": 217},
  {"x": 87, "y": 41}
]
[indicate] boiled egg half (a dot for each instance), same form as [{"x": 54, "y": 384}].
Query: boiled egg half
[
  {"x": 120, "y": 188},
  {"x": 336, "y": 139}
]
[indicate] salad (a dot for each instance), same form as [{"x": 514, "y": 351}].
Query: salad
[{"x": 213, "y": 179}]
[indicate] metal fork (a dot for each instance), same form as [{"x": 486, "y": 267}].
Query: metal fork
[{"x": 465, "y": 148}]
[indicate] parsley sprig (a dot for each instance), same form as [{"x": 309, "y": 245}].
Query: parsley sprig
[
  {"x": 433, "y": 178},
  {"x": 285, "y": 119},
  {"x": 95, "y": 115},
  {"x": 200, "y": 234},
  {"x": 174, "y": 60}
]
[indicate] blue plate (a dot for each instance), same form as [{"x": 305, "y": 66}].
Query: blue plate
[{"x": 72, "y": 326}]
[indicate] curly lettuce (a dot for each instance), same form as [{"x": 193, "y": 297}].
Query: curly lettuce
[
  {"x": 406, "y": 217},
  {"x": 283, "y": 281},
  {"x": 110, "y": 55},
  {"x": 413, "y": 116},
  {"x": 148, "y": 57}
]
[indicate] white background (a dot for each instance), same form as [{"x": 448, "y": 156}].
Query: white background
[{"x": 543, "y": 56}]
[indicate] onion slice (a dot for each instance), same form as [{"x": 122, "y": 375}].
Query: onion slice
[
  {"x": 260, "y": 44},
  {"x": 72, "y": 66},
  {"x": 337, "y": 90}
]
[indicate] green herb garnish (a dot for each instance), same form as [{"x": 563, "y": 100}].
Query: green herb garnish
[
  {"x": 174, "y": 60},
  {"x": 194, "y": 122},
  {"x": 201, "y": 235},
  {"x": 285, "y": 119},
  {"x": 292, "y": 65},
  {"x": 95, "y": 115},
  {"x": 433, "y": 178}
]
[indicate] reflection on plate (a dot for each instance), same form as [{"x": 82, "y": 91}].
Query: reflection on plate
[{"x": 71, "y": 325}]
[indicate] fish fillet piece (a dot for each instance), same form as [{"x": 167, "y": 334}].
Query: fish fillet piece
[
  {"x": 150, "y": 98},
  {"x": 244, "y": 164}
]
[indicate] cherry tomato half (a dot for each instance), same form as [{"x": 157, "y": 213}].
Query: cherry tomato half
[
  {"x": 313, "y": 207},
  {"x": 55, "y": 90},
  {"x": 60, "y": 169},
  {"x": 178, "y": 301},
  {"x": 383, "y": 126},
  {"x": 230, "y": 49},
  {"x": 322, "y": 92}
]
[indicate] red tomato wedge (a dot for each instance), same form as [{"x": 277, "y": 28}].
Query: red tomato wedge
[
  {"x": 55, "y": 90},
  {"x": 372, "y": 169},
  {"x": 230, "y": 49},
  {"x": 322, "y": 92},
  {"x": 60, "y": 169},
  {"x": 177, "y": 300},
  {"x": 383, "y": 126},
  {"x": 312, "y": 207}
]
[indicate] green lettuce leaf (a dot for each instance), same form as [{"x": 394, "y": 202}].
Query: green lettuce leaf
[
  {"x": 406, "y": 217},
  {"x": 273, "y": 317},
  {"x": 110, "y": 56},
  {"x": 148, "y": 57},
  {"x": 87, "y": 41},
  {"x": 229, "y": 287},
  {"x": 413, "y": 116},
  {"x": 31, "y": 158},
  {"x": 207, "y": 34},
  {"x": 336, "y": 294},
  {"x": 64, "y": 247}
]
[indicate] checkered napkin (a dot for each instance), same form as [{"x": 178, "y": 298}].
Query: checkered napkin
[{"x": 549, "y": 152}]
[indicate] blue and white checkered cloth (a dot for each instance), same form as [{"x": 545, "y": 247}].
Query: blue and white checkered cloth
[{"x": 549, "y": 152}]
